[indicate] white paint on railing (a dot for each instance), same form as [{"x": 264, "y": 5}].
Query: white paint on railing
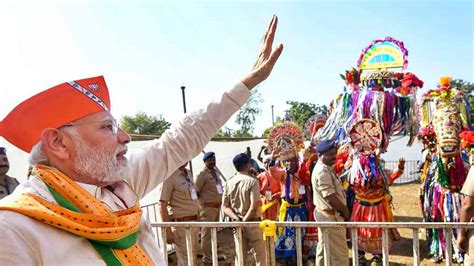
[
  {"x": 189, "y": 246},
  {"x": 299, "y": 254},
  {"x": 415, "y": 226},
  {"x": 448, "y": 240},
  {"x": 164, "y": 244},
  {"x": 355, "y": 247},
  {"x": 385, "y": 245},
  {"x": 327, "y": 250},
  {"x": 215, "y": 259},
  {"x": 416, "y": 247},
  {"x": 238, "y": 247}
]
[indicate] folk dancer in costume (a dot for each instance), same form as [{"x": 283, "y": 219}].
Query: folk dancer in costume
[
  {"x": 83, "y": 194},
  {"x": 285, "y": 141},
  {"x": 446, "y": 109},
  {"x": 270, "y": 188},
  {"x": 427, "y": 137},
  {"x": 376, "y": 103}
]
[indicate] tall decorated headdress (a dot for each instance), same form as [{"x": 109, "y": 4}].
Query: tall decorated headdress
[
  {"x": 314, "y": 123},
  {"x": 447, "y": 110},
  {"x": 377, "y": 90},
  {"x": 285, "y": 140}
]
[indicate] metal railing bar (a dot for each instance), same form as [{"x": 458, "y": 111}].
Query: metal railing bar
[
  {"x": 411, "y": 225},
  {"x": 189, "y": 246},
  {"x": 238, "y": 246},
  {"x": 355, "y": 247},
  {"x": 299, "y": 254},
  {"x": 448, "y": 241},
  {"x": 385, "y": 245},
  {"x": 214, "y": 246},
  {"x": 164, "y": 243},
  {"x": 416, "y": 247},
  {"x": 327, "y": 250}
]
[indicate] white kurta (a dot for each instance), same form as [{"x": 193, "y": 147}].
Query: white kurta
[{"x": 25, "y": 241}]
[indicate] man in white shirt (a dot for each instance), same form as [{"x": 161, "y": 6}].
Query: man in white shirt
[{"x": 80, "y": 205}]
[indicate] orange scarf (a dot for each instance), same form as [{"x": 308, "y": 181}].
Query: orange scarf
[{"x": 112, "y": 234}]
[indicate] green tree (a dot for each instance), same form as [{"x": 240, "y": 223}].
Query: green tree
[
  {"x": 468, "y": 89},
  {"x": 248, "y": 113},
  {"x": 225, "y": 133},
  {"x": 300, "y": 112},
  {"x": 144, "y": 124}
]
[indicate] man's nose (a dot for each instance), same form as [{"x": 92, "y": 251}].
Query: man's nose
[{"x": 123, "y": 137}]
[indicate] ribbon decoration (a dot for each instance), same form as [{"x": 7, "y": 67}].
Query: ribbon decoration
[{"x": 269, "y": 229}]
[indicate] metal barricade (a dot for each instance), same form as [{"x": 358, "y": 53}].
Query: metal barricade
[
  {"x": 410, "y": 174},
  {"x": 353, "y": 226}
]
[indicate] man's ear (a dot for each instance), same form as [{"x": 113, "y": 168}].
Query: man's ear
[{"x": 56, "y": 143}]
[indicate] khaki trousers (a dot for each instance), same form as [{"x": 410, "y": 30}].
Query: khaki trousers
[
  {"x": 252, "y": 237},
  {"x": 208, "y": 215},
  {"x": 180, "y": 244},
  {"x": 469, "y": 256},
  {"x": 339, "y": 255}
]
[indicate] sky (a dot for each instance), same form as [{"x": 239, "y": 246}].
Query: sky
[{"x": 148, "y": 49}]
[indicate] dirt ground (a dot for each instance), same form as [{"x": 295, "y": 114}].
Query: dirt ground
[{"x": 405, "y": 200}]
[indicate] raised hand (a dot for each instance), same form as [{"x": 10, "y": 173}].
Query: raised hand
[{"x": 266, "y": 59}]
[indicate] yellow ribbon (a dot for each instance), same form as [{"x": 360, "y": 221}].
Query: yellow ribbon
[
  {"x": 284, "y": 206},
  {"x": 269, "y": 229},
  {"x": 267, "y": 206}
]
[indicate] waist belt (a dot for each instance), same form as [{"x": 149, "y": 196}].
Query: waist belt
[
  {"x": 326, "y": 212},
  {"x": 186, "y": 218},
  {"x": 370, "y": 202},
  {"x": 211, "y": 205}
]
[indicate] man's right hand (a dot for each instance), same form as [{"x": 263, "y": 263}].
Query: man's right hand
[
  {"x": 266, "y": 59},
  {"x": 169, "y": 236}
]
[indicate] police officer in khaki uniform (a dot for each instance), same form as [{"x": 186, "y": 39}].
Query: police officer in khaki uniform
[
  {"x": 7, "y": 183},
  {"x": 330, "y": 201},
  {"x": 209, "y": 189},
  {"x": 240, "y": 202},
  {"x": 179, "y": 203}
]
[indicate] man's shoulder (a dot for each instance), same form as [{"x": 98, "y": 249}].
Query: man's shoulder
[
  {"x": 248, "y": 178},
  {"x": 321, "y": 170},
  {"x": 204, "y": 172}
]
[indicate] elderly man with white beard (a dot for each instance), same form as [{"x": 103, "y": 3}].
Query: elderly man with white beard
[{"x": 80, "y": 204}]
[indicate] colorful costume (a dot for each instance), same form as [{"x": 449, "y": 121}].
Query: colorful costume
[
  {"x": 448, "y": 112},
  {"x": 375, "y": 105},
  {"x": 270, "y": 186},
  {"x": 285, "y": 141}
]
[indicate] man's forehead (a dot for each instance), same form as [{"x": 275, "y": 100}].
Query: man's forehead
[{"x": 104, "y": 115}]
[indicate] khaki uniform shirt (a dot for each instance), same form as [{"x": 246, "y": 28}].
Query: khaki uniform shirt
[
  {"x": 8, "y": 186},
  {"x": 238, "y": 192},
  {"x": 468, "y": 188},
  {"x": 207, "y": 185},
  {"x": 180, "y": 194},
  {"x": 325, "y": 183}
]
